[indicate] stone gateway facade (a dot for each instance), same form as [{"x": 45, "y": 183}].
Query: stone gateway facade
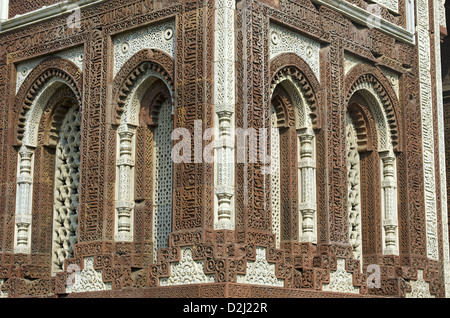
[{"x": 224, "y": 148}]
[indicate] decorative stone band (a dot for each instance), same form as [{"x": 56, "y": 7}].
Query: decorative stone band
[
  {"x": 428, "y": 142},
  {"x": 441, "y": 142},
  {"x": 43, "y": 13},
  {"x": 224, "y": 101},
  {"x": 362, "y": 16}
]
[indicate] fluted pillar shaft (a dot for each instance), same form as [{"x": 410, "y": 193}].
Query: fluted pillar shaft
[
  {"x": 24, "y": 201},
  {"x": 307, "y": 179},
  {"x": 125, "y": 203},
  {"x": 389, "y": 189}
]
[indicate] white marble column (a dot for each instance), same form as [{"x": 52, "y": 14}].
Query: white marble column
[
  {"x": 307, "y": 183},
  {"x": 224, "y": 104},
  {"x": 24, "y": 201},
  {"x": 224, "y": 187},
  {"x": 389, "y": 193},
  {"x": 4, "y": 10},
  {"x": 125, "y": 168}
]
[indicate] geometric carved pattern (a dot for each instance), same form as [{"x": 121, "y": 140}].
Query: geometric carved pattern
[
  {"x": 48, "y": 70},
  {"x": 67, "y": 175},
  {"x": 275, "y": 176},
  {"x": 260, "y": 272},
  {"x": 144, "y": 62},
  {"x": 354, "y": 190},
  {"x": 284, "y": 40},
  {"x": 192, "y": 71},
  {"x": 162, "y": 184},
  {"x": 75, "y": 55},
  {"x": 361, "y": 78},
  {"x": 186, "y": 271},
  {"x": 340, "y": 280},
  {"x": 419, "y": 288},
  {"x": 88, "y": 279},
  {"x": 159, "y": 36},
  {"x": 299, "y": 73}
]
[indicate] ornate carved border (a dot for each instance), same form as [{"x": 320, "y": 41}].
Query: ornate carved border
[
  {"x": 365, "y": 73},
  {"x": 50, "y": 68},
  {"x": 144, "y": 60},
  {"x": 293, "y": 65}
]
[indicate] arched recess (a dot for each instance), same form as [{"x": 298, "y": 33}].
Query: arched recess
[
  {"x": 48, "y": 137},
  {"x": 372, "y": 142},
  {"x": 295, "y": 121},
  {"x": 143, "y": 112}
]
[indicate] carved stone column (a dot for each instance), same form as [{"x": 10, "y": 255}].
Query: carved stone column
[
  {"x": 224, "y": 187},
  {"x": 24, "y": 200},
  {"x": 224, "y": 100},
  {"x": 307, "y": 179},
  {"x": 125, "y": 202},
  {"x": 389, "y": 188}
]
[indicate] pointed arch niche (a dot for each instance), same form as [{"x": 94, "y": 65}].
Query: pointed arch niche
[
  {"x": 293, "y": 158},
  {"x": 144, "y": 168},
  {"x": 372, "y": 199},
  {"x": 48, "y": 172}
]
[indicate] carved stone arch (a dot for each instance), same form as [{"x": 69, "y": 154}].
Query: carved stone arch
[
  {"x": 54, "y": 115},
  {"x": 364, "y": 77},
  {"x": 364, "y": 131},
  {"x": 52, "y": 69},
  {"x": 152, "y": 101},
  {"x": 284, "y": 108},
  {"x": 147, "y": 60},
  {"x": 53, "y": 177},
  {"x": 369, "y": 91},
  {"x": 141, "y": 90},
  {"x": 42, "y": 103},
  {"x": 293, "y": 67}
]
